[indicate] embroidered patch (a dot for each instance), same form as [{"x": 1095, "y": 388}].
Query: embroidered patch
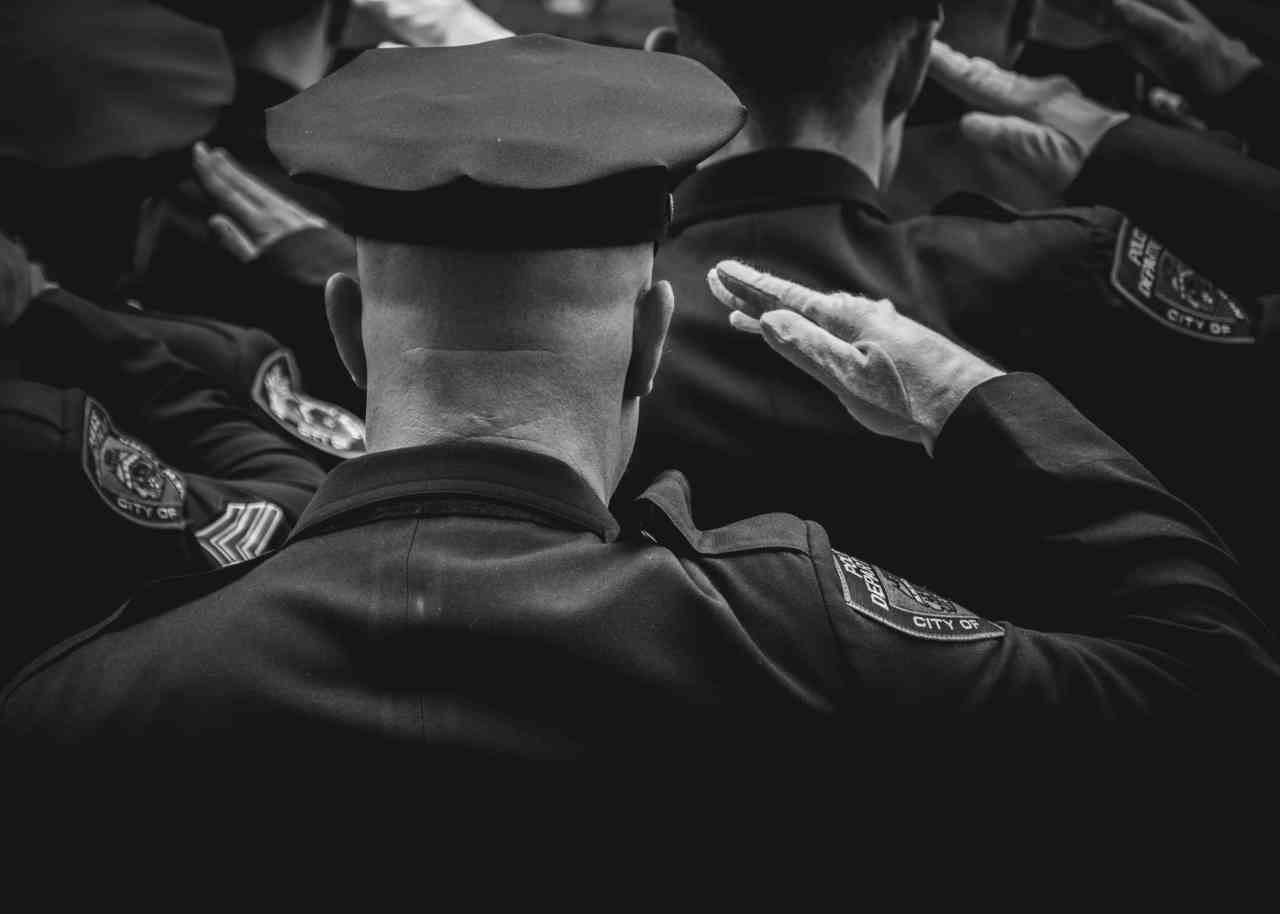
[
  {"x": 1166, "y": 289},
  {"x": 127, "y": 475},
  {"x": 243, "y": 532},
  {"x": 906, "y": 607},
  {"x": 322, "y": 425}
]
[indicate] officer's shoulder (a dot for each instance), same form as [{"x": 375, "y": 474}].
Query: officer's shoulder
[
  {"x": 664, "y": 514},
  {"x": 153, "y": 600}
]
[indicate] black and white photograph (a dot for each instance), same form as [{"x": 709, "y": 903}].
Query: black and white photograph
[{"x": 724, "y": 402}]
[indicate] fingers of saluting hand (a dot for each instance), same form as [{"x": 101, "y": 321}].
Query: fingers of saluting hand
[
  {"x": 225, "y": 183},
  {"x": 233, "y": 238},
  {"x": 754, "y": 294},
  {"x": 807, "y": 328},
  {"x": 259, "y": 210}
]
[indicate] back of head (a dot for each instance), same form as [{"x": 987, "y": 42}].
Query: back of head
[
  {"x": 507, "y": 197},
  {"x": 572, "y": 305},
  {"x": 812, "y": 53}
]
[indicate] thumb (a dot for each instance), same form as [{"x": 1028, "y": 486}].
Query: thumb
[{"x": 823, "y": 356}]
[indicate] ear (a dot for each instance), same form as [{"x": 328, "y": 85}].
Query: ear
[
  {"x": 912, "y": 67},
  {"x": 664, "y": 39},
  {"x": 344, "y": 305},
  {"x": 648, "y": 337}
]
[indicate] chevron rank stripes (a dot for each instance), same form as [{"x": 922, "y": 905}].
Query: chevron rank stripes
[{"x": 243, "y": 532}]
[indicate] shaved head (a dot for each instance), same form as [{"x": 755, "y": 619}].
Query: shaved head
[{"x": 530, "y": 346}]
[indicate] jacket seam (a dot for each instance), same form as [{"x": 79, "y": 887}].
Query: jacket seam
[{"x": 846, "y": 668}]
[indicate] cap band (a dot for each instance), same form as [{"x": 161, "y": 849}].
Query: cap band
[{"x": 634, "y": 208}]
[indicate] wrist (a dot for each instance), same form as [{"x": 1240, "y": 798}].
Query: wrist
[
  {"x": 944, "y": 406},
  {"x": 1082, "y": 120}
]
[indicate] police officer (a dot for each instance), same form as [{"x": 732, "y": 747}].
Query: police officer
[
  {"x": 119, "y": 463},
  {"x": 258, "y": 224},
  {"x": 193, "y": 259},
  {"x": 1095, "y": 302},
  {"x": 937, "y": 158},
  {"x": 112, "y": 96},
  {"x": 463, "y": 588},
  {"x": 118, "y": 93}
]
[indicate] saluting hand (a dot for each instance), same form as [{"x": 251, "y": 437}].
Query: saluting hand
[
  {"x": 1045, "y": 124},
  {"x": 894, "y": 375},
  {"x": 1183, "y": 47},
  {"x": 254, "y": 216}
]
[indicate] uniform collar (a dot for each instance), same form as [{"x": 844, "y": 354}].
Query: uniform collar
[
  {"x": 771, "y": 179},
  {"x": 510, "y": 480}
]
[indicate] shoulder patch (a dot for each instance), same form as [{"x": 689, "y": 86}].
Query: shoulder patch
[
  {"x": 905, "y": 607},
  {"x": 322, "y": 425},
  {"x": 243, "y": 532},
  {"x": 1164, "y": 288},
  {"x": 128, "y": 476}
]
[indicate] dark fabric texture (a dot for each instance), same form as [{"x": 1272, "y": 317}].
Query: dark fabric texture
[
  {"x": 94, "y": 80},
  {"x": 231, "y": 355},
  {"x": 1248, "y": 109},
  {"x": 479, "y": 604},
  {"x": 62, "y": 355}
]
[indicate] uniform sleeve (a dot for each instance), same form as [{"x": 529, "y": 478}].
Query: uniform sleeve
[
  {"x": 1108, "y": 598},
  {"x": 66, "y": 342},
  {"x": 1248, "y": 111},
  {"x": 95, "y": 511},
  {"x": 280, "y": 293},
  {"x": 1216, "y": 208}
]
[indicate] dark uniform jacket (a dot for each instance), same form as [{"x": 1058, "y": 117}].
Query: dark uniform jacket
[
  {"x": 1162, "y": 357},
  {"x": 480, "y": 602},
  {"x": 120, "y": 463},
  {"x": 182, "y": 268},
  {"x": 254, "y": 365}
]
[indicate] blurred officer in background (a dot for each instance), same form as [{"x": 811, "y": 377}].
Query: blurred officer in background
[
  {"x": 114, "y": 94},
  {"x": 192, "y": 262},
  {"x": 119, "y": 463},
  {"x": 938, "y": 159},
  {"x": 1095, "y": 302},
  {"x": 106, "y": 98},
  {"x": 463, "y": 589}
]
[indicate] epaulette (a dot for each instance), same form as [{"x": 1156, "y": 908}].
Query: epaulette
[{"x": 663, "y": 512}]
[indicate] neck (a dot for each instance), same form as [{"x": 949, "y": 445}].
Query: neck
[
  {"x": 297, "y": 53},
  {"x": 524, "y": 400},
  {"x": 860, "y": 139}
]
